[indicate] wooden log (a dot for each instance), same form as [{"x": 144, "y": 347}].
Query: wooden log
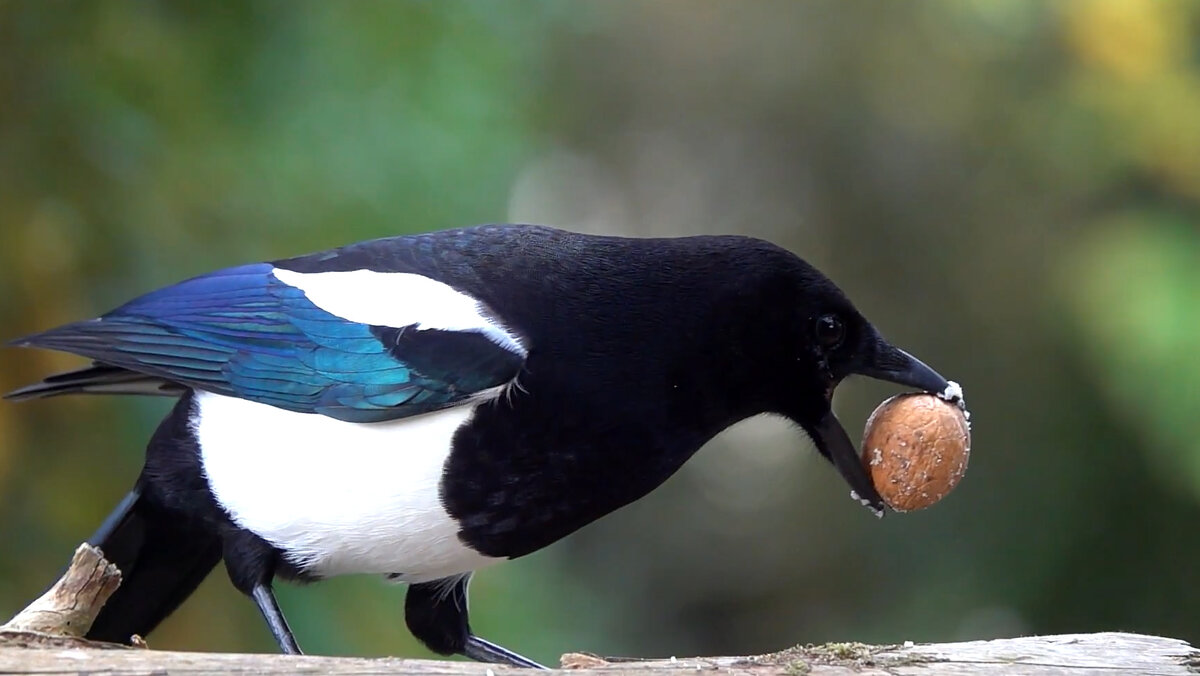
[
  {"x": 45, "y": 639},
  {"x": 1104, "y": 654}
]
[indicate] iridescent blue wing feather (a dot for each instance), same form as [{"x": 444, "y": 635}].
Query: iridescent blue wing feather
[{"x": 242, "y": 332}]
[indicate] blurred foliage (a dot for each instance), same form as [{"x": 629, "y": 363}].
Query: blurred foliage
[{"x": 1011, "y": 190}]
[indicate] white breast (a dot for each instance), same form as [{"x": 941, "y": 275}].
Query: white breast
[{"x": 337, "y": 497}]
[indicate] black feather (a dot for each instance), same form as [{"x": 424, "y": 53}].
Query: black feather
[{"x": 97, "y": 379}]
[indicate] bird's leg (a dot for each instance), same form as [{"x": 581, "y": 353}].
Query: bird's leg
[
  {"x": 250, "y": 561},
  {"x": 264, "y": 598},
  {"x": 436, "y": 613}
]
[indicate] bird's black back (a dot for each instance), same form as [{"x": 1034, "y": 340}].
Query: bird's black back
[{"x": 640, "y": 350}]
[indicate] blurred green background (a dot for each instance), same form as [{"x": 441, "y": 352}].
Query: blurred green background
[{"x": 1009, "y": 189}]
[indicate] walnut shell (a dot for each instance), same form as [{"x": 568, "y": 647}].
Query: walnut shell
[{"x": 915, "y": 448}]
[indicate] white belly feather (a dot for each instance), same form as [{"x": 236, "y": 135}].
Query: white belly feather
[{"x": 337, "y": 497}]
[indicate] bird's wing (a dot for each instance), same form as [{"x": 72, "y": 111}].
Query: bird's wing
[{"x": 359, "y": 346}]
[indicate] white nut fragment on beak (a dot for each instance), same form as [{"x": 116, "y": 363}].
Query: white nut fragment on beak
[
  {"x": 865, "y": 503},
  {"x": 954, "y": 394}
]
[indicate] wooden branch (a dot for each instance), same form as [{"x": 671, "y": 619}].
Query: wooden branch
[
  {"x": 71, "y": 605},
  {"x": 44, "y": 639}
]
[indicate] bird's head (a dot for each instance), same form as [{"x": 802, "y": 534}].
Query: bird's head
[
  {"x": 846, "y": 345},
  {"x": 818, "y": 338}
]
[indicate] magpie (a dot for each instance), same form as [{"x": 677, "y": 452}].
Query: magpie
[{"x": 419, "y": 407}]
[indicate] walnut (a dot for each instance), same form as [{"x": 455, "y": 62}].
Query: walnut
[{"x": 915, "y": 448}]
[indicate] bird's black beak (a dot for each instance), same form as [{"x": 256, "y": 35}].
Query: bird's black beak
[
  {"x": 897, "y": 366},
  {"x": 885, "y": 363}
]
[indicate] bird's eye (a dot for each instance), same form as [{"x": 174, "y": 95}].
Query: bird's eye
[{"x": 830, "y": 331}]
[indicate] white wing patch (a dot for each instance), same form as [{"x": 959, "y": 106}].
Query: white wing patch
[
  {"x": 338, "y": 497},
  {"x": 398, "y": 299}
]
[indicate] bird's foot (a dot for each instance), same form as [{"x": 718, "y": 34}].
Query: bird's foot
[{"x": 485, "y": 651}]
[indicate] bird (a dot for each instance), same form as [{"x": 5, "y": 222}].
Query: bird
[{"x": 422, "y": 406}]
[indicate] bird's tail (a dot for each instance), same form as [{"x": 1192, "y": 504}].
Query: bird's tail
[{"x": 161, "y": 565}]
